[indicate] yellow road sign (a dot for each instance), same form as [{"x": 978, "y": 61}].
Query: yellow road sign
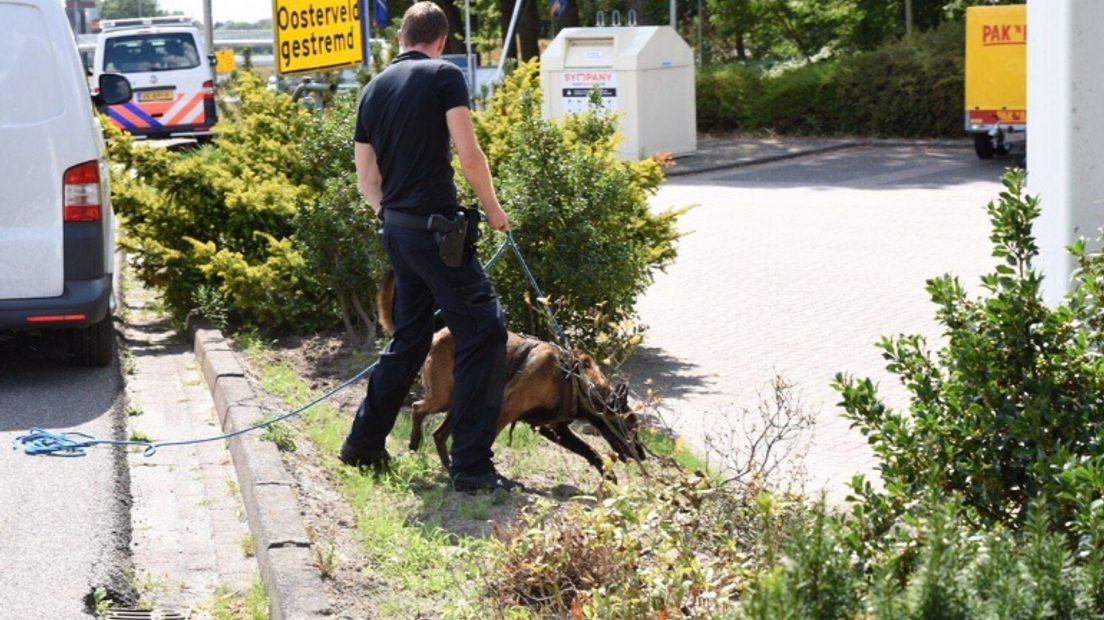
[
  {"x": 314, "y": 35},
  {"x": 225, "y": 61}
]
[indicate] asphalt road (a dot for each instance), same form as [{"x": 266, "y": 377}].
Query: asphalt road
[
  {"x": 799, "y": 267},
  {"x": 64, "y": 520}
]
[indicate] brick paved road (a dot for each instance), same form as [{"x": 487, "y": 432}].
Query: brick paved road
[{"x": 800, "y": 266}]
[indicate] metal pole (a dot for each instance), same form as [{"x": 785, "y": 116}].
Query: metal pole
[
  {"x": 365, "y": 34},
  {"x": 208, "y": 26},
  {"x": 509, "y": 36},
  {"x": 908, "y": 17},
  {"x": 674, "y": 15},
  {"x": 467, "y": 42}
]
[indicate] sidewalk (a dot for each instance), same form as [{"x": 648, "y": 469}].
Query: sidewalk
[{"x": 190, "y": 543}]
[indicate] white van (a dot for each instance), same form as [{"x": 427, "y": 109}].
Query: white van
[
  {"x": 168, "y": 66},
  {"x": 56, "y": 224}
]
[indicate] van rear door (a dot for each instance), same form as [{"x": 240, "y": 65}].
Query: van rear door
[{"x": 36, "y": 118}]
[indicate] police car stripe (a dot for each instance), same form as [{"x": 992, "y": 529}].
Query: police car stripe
[
  {"x": 186, "y": 111},
  {"x": 135, "y": 110},
  {"x": 120, "y": 119}
]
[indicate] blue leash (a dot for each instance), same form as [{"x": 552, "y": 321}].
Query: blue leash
[{"x": 39, "y": 441}]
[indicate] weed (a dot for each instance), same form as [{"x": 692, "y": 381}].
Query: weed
[
  {"x": 148, "y": 584},
  {"x": 140, "y": 437},
  {"x": 280, "y": 434},
  {"x": 129, "y": 364},
  {"x": 233, "y": 487},
  {"x": 324, "y": 557},
  {"x": 134, "y": 410},
  {"x": 101, "y": 601},
  {"x": 235, "y": 605},
  {"x": 248, "y": 546}
]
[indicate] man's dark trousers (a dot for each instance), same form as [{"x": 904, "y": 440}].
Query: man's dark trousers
[{"x": 471, "y": 310}]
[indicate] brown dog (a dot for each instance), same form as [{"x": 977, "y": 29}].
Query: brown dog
[{"x": 547, "y": 388}]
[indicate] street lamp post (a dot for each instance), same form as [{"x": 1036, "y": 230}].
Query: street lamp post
[{"x": 208, "y": 26}]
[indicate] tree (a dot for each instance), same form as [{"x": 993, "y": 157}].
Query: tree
[{"x": 121, "y": 9}]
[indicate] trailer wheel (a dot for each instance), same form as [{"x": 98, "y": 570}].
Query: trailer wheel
[{"x": 983, "y": 146}]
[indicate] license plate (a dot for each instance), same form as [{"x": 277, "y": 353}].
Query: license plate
[{"x": 155, "y": 95}]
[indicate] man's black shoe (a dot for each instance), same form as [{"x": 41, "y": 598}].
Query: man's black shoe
[
  {"x": 378, "y": 461},
  {"x": 491, "y": 481}
]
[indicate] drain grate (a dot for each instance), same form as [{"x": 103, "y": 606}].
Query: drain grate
[{"x": 147, "y": 614}]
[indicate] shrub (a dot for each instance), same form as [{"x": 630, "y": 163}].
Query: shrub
[
  {"x": 724, "y": 95},
  {"x": 908, "y": 88},
  {"x": 911, "y": 88},
  {"x": 581, "y": 215},
  {"x": 262, "y": 228},
  {"x": 799, "y": 101},
  {"x": 1013, "y": 399},
  {"x": 215, "y": 223},
  {"x": 336, "y": 231}
]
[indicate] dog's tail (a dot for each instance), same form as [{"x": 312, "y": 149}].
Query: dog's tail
[{"x": 385, "y": 302}]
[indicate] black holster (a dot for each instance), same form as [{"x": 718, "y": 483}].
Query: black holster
[{"x": 451, "y": 235}]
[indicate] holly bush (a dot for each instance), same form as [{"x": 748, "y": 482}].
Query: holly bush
[{"x": 1013, "y": 399}]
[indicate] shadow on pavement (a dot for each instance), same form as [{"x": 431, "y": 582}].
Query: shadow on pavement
[
  {"x": 40, "y": 387},
  {"x": 671, "y": 377},
  {"x": 865, "y": 168}
]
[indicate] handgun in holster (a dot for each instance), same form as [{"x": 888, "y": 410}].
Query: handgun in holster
[{"x": 450, "y": 235}]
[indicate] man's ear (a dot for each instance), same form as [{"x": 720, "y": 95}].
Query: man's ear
[{"x": 441, "y": 44}]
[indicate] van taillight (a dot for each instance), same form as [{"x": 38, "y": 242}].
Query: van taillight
[
  {"x": 82, "y": 193},
  {"x": 209, "y": 89}
]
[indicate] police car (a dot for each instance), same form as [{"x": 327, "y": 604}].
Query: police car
[{"x": 167, "y": 63}]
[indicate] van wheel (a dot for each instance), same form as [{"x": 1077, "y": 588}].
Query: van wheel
[
  {"x": 94, "y": 345},
  {"x": 983, "y": 146}
]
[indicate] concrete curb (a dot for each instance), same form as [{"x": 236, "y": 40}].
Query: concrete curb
[
  {"x": 766, "y": 159},
  {"x": 283, "y": 548}
]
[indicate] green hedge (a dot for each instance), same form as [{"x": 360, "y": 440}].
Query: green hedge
[{"x": 910, "y": 88}]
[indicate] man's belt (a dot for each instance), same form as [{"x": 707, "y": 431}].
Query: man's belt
[
  {"x": 436, "y": 222},
  {"x": 456, "y": 236}
]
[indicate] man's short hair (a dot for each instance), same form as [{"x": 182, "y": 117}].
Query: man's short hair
[{"x": 423, "y": 23}]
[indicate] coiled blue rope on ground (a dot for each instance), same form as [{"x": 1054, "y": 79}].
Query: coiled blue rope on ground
[{"x": 41, "y": 442}]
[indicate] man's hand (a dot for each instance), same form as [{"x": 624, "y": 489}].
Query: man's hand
[{"x": 497, "y": 219}]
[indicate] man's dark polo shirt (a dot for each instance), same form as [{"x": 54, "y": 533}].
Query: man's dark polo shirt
[{"x": 402, "y": 115}]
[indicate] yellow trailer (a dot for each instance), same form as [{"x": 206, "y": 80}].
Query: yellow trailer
[{"x": 996, "y": 77}]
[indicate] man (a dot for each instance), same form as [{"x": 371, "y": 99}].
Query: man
[{"x": 403, "y": 162}]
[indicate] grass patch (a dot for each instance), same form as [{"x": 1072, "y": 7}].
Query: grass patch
[
  {"x": 429, "y": 544},
  {"x": 665, "y": 445}
]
